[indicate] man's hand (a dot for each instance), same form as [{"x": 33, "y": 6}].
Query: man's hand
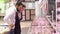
[{"x": 11, "y": 25}]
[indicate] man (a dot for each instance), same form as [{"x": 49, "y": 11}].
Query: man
[{"x": 14, "y": 16}]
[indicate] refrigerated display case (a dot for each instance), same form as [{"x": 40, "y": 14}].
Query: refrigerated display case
[
  {"x": 42, "y": 24},
  {"x": 58, "y": 16}
]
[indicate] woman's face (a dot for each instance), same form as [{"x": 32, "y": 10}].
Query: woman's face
[{"x": 20, "y": 8}]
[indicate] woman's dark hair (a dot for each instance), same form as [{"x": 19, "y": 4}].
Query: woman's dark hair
[{"x": 20, "y": 3}]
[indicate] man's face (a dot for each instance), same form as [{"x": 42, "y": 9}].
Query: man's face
[{"x": 20, "y": 8}]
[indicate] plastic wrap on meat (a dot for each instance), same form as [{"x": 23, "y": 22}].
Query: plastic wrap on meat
[{"x": 41, "y": 26}]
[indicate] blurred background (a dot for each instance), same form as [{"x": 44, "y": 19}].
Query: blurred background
[{"x": 35, "y": 9}]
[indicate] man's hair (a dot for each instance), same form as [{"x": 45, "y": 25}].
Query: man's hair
[{"x": 20, "y": 3}]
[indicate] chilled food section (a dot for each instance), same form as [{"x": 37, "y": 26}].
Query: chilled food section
[{"x": 41, "y": 25}]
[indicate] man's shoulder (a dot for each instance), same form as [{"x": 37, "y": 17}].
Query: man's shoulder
[{"x": 11, "y": 10}]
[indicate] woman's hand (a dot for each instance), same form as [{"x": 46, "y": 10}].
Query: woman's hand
[{"x": 11, "y": 25}]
